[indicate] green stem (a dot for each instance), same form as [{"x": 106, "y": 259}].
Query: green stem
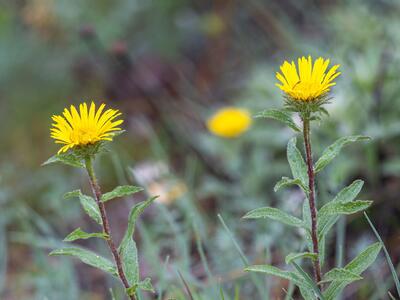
[
  {"x": 106, "y": 225},
  {"x": 311, "y": 197}
]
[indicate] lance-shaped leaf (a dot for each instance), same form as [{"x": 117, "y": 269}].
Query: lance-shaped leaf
[
  {"x": 88, "y": 257},
  {"x": 127, "y": 248},
  {"x": 274, "y": 214},
  {"x": 285, "y": 181},
  {"x": 89, "y": 205},
  {"x": 69, "y": 159},
  {"x": 348, "y": 194},
  {"x": 271, "y": 270},
  {"x": 307, "y": 224},
  {"x": 296, "y": 162},
  {"x": 279, "y": 115},
  {"x": 121, "y": 191},
  {"x": 308, "y": 281},
  {"x": 293, "y": 256},
  {"x": 357, "y": 266},
  {"x": 80, "y": 234},
  {"x": 333, "y": 150},
  {"x": 344, "y": 208},
  {"x": 341, "y": 274},
  {"x": 144, "y": 285}
]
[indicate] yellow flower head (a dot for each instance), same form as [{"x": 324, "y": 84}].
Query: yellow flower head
[
  {"x": 85, "y": 127},
  {"x": 310, "y": 82},
  {"x": 229, "y": 122}
]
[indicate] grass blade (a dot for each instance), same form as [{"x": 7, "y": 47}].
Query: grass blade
[
  {"x": 390, "y": 263},
  {"x": 186, "y": 286},
  {"x": 242, "y": 256}
]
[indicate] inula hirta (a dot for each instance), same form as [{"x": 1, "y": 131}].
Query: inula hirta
[
  {"x": 306, "y": 82},
  {"x": 229, "y": 122},
  {"x": 86, "y": 127}
]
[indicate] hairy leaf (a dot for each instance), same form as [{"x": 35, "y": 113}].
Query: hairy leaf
[
  {"x": 333, "y": 150},
  {"x": 348, "y": 194},
  {"x": 271, "y": 270},
  {"x": 307, "y": 224},
  {"x": 274, "y": 214},
  {"x": 296, "y": 162},
  {"x": 285, "y": 181},
  {"x": 344, "y": 208},
  {"x": 65, "y": 158},
  {"x": 127, "y": 248},
  {"x": 356, "y": 266},
  {"x": 279, "y": 115},
  {"x": 120, "y": 191},
  {"x": 130, "y": 263},
  {"x": 146, "y": 285},
  {"x": 341, "y": 274},
  {"x": 308, "y": 281},
  {"x": 89, "y": 205},
  {"x": 80, "y": 234},
  {"x": 88, "y": 257},
  {"x": 293, "y": 256}
]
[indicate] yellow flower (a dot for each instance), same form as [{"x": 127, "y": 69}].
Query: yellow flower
[
  {"x": 86, "y": 127},
  {"x": 229, "y": 122},
  {"x": 310, "y": 82}
]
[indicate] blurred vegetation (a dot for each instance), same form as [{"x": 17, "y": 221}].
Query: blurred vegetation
[{"x": 168, "y": 65}]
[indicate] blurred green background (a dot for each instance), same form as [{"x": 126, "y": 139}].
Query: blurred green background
[{"x": 168, "y": 65}]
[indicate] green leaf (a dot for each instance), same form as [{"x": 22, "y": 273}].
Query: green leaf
[
  {"x": 146, "y": 285},
  {"x": 130, "y": 263},
  {"x": 348, "y": 194},
  {"x": 66, "y": 158},
  {"x": 274, "y": 214},
  {"x": 293, "y": 256},
  {"x": 89, "y": 205},
  {"x": 333, "y": 150},
  {"x": 347, "y": 208},
  {"x": 271, "y": 270},
  {"x": 80, "y": 234},
  {"x": 285, "y": 181},
  {"x": 307, "y": 224},
  {"x": 296, "y": 162},
  {"x": 88, "y": 257},
  {"x": 279, "y": 115},
  {"x": 341, "y": 274},
  {"x": 322, "y": 245},
  {"x": 120, "y": 191},
  {"x": 72, "y": 194},
  {"x": 307, "y": 294},
  {"x": 308, "y": 281},
  {"x": 127, "y": 248},
  {"x": 356, "y": 266}
]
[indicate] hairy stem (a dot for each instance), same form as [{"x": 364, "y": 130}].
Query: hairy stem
[
  {"x": 106, "y": 225},
  {"x": 311, "y": 197}
]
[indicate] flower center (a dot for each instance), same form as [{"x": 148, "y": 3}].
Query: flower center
[{"x": 84, "y": 136}]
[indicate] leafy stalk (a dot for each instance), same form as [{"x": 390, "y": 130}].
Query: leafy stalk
[
  {"x": 106, "y": 226},
  {"x": 311, "y": 197}
]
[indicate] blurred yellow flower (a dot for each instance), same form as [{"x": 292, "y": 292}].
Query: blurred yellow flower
[
  {"x": 310, "y": 82},
  {"x": 86, "y": 127},
  {"x": 229, "y": 122}
]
